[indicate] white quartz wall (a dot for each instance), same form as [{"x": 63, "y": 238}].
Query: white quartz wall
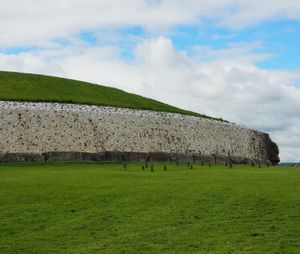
[{"x": 43, "y": 127}]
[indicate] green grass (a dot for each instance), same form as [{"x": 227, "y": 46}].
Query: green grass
[
  {"x": 102, "y": 208},
  {"x": 31, "y": 87}
]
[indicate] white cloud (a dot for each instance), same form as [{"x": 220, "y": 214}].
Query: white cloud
[
  {"x": 224, "y": 83},
  {"x": 249, "y": 12},
  {"x": 36, "y": 22}
]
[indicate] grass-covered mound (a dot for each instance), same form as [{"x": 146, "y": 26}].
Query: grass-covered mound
[
  {"x": 103, "y": 208},
  {"x": 31, "y": 87}
]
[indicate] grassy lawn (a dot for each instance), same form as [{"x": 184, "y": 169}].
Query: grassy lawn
[
  {"x": 102, "y": 208},
  {"x": 31, "y": 87}
]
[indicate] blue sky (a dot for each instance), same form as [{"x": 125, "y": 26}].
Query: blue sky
[
  {"x": 235, "y": 59},
  {"x": 280, "y": 39}
]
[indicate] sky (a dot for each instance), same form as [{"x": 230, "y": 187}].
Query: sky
[{"x": 235, "y": 59}]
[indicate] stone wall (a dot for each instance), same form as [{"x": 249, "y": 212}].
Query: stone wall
[{"x": 39, "y": 130}]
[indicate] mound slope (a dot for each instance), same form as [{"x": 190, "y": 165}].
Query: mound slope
[{"x": 40, "y": 88}]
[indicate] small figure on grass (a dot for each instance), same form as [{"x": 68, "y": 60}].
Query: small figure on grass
[
  {"x": 215, "y": 158},
  {"x": 209, "y": 164},
  {"x": 165, "y": 167},
  {"x": 143, "y": 167},
  {"x": 46, "y": 156},
  {"x": 125, "y": 166},
  {"x": 228, "y": 161},
  {"x": 152, "y": 167},
  {"x": 191, "y": 167}
]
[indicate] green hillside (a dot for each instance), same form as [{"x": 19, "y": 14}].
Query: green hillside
[{"x": 31, "y": 87}]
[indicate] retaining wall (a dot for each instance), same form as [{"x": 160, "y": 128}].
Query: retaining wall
[{"x": 42, "y": 131}]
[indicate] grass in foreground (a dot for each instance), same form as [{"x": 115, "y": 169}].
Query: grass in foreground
[
  {"x": 102, "y": 208},
  {"x": 31, "y": 87}
]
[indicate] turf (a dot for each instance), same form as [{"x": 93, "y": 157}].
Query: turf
[
  {"x": 39, "y": 88},
  {"x": 103, "y": 208}
]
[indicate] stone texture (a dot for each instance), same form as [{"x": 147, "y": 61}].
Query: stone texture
[{"x": 50, "y": 131}]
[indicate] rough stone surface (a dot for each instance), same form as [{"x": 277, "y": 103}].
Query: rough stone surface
[{"x": 49, "y": 131}]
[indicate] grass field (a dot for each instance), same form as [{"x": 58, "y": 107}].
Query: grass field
[
  {"x": 31, "y": 87},
  {"x": 103, "y": 208}
]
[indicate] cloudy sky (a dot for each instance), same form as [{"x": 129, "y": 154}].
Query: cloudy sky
[{"x": 235, "y": 59}]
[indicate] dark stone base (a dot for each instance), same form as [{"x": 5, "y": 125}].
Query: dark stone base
[{"x": 115, "y": 156}]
